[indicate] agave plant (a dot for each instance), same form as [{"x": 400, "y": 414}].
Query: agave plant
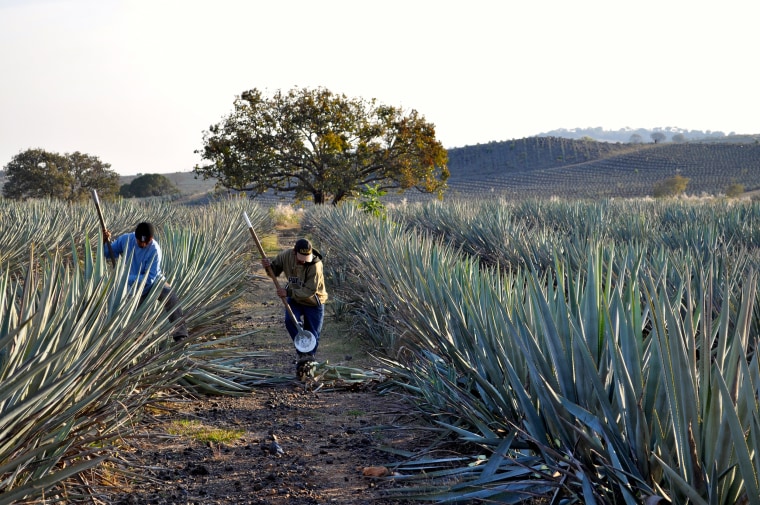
[
  {"x": 80, "y": 356},
  {"x": 73, "y": 357},
  {"x": 627, "y": 378}
]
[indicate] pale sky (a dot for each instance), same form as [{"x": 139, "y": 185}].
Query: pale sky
[{"x": 137, "y": 82}]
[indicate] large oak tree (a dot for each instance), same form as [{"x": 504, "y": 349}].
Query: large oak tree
[
  {"x": 323, "y": 146},
  {"x": 36, "y": 173}
]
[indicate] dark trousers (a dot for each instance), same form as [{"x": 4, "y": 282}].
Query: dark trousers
[
  {"x": 311, "y": 318},
  {"x": 173, "y": 307}
]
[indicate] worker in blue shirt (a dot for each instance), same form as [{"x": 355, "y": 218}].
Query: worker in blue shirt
[{"x": 146, "y": 264}]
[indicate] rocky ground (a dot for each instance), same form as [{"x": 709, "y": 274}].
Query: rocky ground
[{"x": 294, "y": 443}]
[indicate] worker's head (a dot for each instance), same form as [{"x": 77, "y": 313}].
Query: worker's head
[
  {"x": 303, "y": 251},
  {"x": 144, "y": 234}
]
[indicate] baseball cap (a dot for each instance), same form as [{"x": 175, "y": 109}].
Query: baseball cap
[{"x": 303, "y": 250}]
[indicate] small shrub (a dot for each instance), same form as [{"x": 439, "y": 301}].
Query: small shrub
[
  {"x": 370, "y": 201},
  {"x": 672, "y": 186},
  {"x": 735, "y": 190},
  {"x": 285, "y": 215}
]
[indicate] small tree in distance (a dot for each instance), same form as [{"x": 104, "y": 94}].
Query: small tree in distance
[
  {"x": 672, "y": 186},
  {"x": 148, "y": 185},
  {"x": 658, "y": 137},
  {"x": 36, "y": 173}
]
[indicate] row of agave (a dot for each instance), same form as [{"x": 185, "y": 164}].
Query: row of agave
[
  {"x": 530, "y": 232},
  {"x": 80, "y": 359},
  {"x": 612, "y": 370}
]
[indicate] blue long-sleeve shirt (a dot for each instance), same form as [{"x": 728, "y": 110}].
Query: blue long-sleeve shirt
[{"x": 146, "y": 261}]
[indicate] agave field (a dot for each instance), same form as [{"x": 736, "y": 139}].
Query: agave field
[
  {"x": 571, "y": 352},
  {"x": 80, "y": 360},
  {"x": 539, "y": 167},
  {"x": 566, "y": 352}
]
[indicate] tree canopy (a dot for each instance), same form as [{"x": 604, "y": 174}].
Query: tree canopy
[
  {"x": 323, "y": 146},
  {"x": 148, "y": 185},
  {"x": 36, "y": 173},
  {"x": 658, "y": 137}
]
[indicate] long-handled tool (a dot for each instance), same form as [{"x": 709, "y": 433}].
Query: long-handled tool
[
  {"x": 103, "y": 225},
  {"x": 304, "y": 341}
]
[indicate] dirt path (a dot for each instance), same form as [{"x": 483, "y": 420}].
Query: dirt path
[{"x": 295, "y": 446}]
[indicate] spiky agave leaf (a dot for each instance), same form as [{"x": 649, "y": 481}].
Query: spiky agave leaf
[
  {"x": 81, "y": 357},
  {"x": 67, "y": 386},
  {"x": 598, "y": 350}
]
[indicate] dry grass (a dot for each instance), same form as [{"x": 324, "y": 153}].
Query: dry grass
[
  {"x": 285, "y": 216},
  {"x": 203, "y": 433}
]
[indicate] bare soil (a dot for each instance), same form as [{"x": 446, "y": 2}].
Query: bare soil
[{"x": 296, "y": 443}]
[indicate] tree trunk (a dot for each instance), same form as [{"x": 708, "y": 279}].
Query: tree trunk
[
  {"x": 319, "y": 197},
  {"x": 338, "y": 197}
]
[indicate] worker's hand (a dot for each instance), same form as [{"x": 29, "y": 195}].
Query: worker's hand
[
  {"x": 106, "y": 236},
  {"x": 282, "y": 292},
  {"x": 266, "y": 263}
]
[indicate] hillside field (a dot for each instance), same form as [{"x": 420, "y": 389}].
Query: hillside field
[{"x": 545, "y": 167}]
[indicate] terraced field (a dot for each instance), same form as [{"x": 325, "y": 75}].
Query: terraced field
[{"x": 624, "y": 171}]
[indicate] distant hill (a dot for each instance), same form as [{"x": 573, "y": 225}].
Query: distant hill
[
  {"x": 626, "y": 135},
  {"x": 538, "y": 167}
]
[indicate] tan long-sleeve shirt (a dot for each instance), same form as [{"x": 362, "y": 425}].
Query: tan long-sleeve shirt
[{"x": 306, "y": 283}]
